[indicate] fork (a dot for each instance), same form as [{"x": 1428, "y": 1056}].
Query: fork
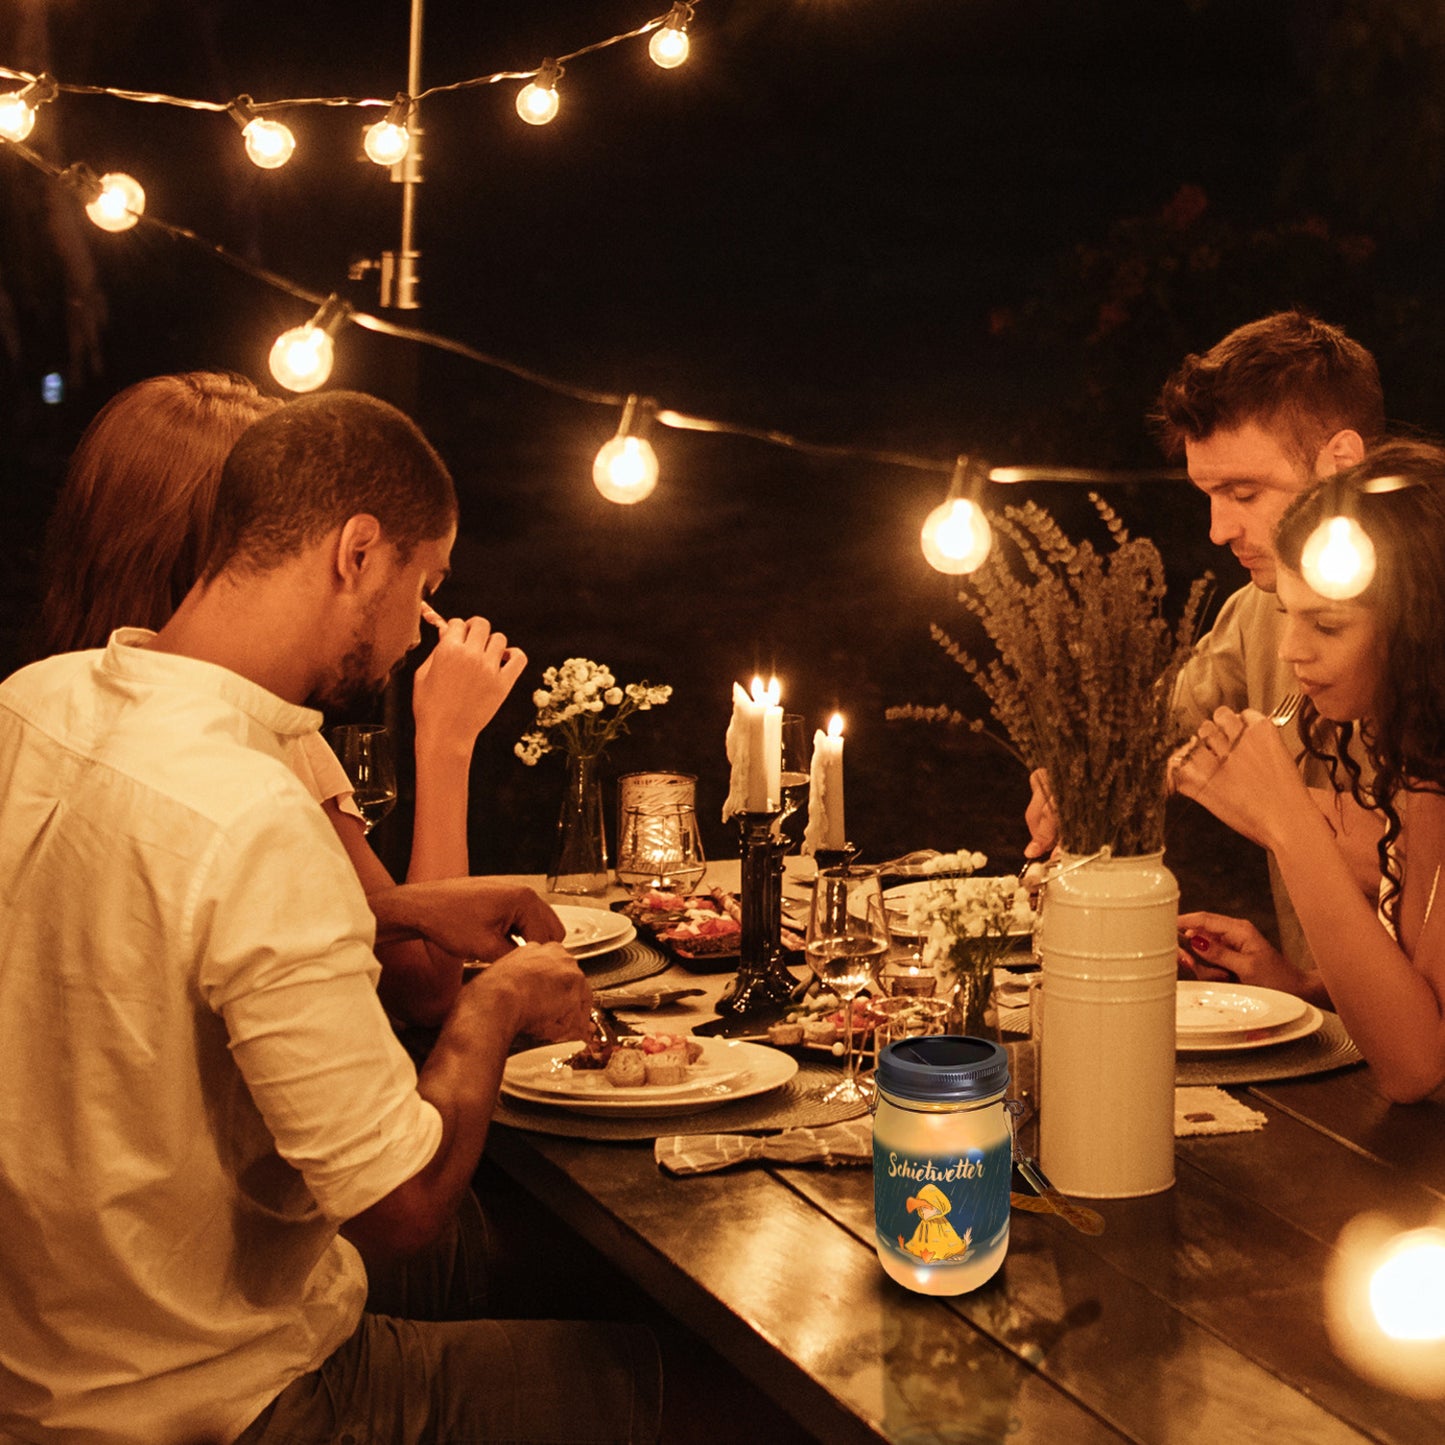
[{"x": 1286, "y": 708}]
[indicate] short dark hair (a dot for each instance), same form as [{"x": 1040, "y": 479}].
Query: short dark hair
[
  {"x": 306, "y": 468},
  {"x": 1289, "y": 373}
]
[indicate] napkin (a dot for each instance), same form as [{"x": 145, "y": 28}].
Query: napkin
[
  {"x": 1203, "y": 1109},
  {"x": 850, "y": 1142}
]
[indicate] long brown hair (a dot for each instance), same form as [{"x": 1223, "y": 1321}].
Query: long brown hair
[{"x": 131, "y": 528}]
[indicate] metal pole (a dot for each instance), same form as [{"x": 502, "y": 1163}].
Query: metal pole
[{"x": 399, "y": 277}]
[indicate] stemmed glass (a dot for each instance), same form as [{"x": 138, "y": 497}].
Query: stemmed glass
[
  {"x": 660, "y": 847},
  {"x": 846, "y": 940},
  {"x": 793, "y": 780},
  {"x": 366, "y": 753}
]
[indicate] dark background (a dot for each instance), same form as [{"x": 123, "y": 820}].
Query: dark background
[{"x": 925, "y": 226}]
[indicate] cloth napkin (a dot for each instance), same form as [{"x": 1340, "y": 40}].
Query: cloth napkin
[
  {"x": 1203, "y": 1109},
  {"x": 850, "y": 1142}
]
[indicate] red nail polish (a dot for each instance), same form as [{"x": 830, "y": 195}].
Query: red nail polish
[{"x": 1199, "y": 942}]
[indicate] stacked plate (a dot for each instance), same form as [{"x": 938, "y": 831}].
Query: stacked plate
[
  {"x": 1213, "y": 1017},
  {"x": 727, "y": 1071},
  {"x": 593, "y": 931}
]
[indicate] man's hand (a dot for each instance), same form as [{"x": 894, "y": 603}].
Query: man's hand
[
  {"x": 468, "y": 917},
  {"x": 543, "y": 990}
]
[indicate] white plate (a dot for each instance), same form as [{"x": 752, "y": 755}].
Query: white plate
[
  {"x": 1309, "y": 1022},
  {"x": 728, "y": 1070},
  {"x": 899, "y": 899},
  {"x": 593, "y": 930},
  {"x": 1204, "y": 1009}
]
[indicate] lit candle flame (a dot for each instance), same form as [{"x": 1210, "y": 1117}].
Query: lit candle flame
[
  {"x": 774, "y": 693},
  {"x": 835, "y": 725},
  {"x": 758, "y": 691}
]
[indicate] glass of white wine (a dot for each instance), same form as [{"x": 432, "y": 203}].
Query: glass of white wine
[
  {"x": 793, "y": 780},
  {"x": 366, "y": 752},
  {"x": 847, "y": 939}
]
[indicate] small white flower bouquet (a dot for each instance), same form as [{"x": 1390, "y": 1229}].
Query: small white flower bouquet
[
  {"x": 966, "y": 923},
  {"x": 581, "y": 709}
]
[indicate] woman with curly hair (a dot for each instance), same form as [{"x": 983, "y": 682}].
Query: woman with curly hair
[{"x": 1372, "y": 670}]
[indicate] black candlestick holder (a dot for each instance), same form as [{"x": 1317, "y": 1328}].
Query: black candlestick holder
[{"x": 763, "y": 982}]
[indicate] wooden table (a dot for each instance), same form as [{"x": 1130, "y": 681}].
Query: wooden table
[{"x": 1198, "y": 1314}]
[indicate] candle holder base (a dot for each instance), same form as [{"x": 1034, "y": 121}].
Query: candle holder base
[{"x": 763, "y": 983}]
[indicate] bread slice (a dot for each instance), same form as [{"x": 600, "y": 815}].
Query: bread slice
[
  {"x": 666, "y": 1068},
  {"x": 626, "y": 1069}
]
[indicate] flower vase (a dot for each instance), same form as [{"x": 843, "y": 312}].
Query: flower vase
[
  {"x": 970, "y": 1000},
  {"x": 579, "y": 864},
  {"x": 1106, "y": 1096}
]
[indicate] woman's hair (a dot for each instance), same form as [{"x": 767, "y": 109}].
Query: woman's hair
[
  {"x": 131, "y": 528},
  {"x": 1397, "y": 495}
]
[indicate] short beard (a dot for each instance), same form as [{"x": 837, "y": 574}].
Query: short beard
[{"x": 354, "y": 685}]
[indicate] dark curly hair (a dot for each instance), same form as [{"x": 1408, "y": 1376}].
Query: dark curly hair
[{"x": 1397, "y": 494}]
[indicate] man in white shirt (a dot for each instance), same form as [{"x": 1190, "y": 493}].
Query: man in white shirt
[
  {"x": 1260, "y": 417},
  {"x": 203, "y": 1111}
]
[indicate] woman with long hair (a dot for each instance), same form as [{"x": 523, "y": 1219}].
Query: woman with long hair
[
  {"x": 128, "y": 537},
  {"x": 1372, "y": 670}
]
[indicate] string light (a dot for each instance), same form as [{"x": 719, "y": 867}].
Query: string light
[
  {"x": 626, "y": 467},
  {"x": 538, "y": 101},
  {"x": 956, "y": 535},
  {"x": 1385, "y": 1304},
  {"x": 387, "y": 142},
  {"x": 115, "y": 202},
  {"x": 269, "y": 143},
  {"x": 18, "y": 107},
  {"x": 301, "y": 359},
  {"x": 669, "y": 44},
  {"x": 1338, "y": 559}
]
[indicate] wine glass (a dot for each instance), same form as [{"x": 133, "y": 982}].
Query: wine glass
[
  {"x": 793, "y": 779},
  {"x": 847, "y": 938},
  {"x": 659, "y": 847},
  {"x": 366, "y": 753}
]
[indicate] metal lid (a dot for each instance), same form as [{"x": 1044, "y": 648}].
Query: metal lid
[{"x": 943, "y": 1068}]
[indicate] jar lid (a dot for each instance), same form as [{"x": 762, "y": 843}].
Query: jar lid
[{"x": 943, "y": 1068}]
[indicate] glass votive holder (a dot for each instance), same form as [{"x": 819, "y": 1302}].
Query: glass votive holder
[{"x": 907, "y": 1017}]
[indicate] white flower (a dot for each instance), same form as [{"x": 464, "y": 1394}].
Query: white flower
[
  {"x": 612, "y": 696},
  {"x": 572, "y": 709}
]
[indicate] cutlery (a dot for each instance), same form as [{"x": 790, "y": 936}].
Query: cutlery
[
  {"x": 1284, "y": 711},
  {"x": 625, "y": 998}
]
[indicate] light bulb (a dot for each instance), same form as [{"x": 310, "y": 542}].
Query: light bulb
[
  {"x": 301, "y": 358},
  {"x": 120, "y": 202},
  {"x": 268, "y": 143},
  {"x": 1407, "y": 1288},
  {"x": 668, "y": 47},
  {"x": 625, "y": 470},
  {"x": 956, "y": 536},
  {"x": 17, "y": 116},
  {"x": 1338, "y": 560},
  {"x": 537, "y": 104},
  {"x": 386, "y": 143}
]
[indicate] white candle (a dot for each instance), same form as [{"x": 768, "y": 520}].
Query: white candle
[
  {"x": 826, "y": 828},
  {"x": 755, "y": 750}
]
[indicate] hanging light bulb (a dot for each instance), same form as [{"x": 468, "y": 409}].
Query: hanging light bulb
[
  {"x": 18, "y": 107},
  {"x": 538, "y": 101},
  {"x": 119, "y": 204},
  {"x": 301, "y": 358},
  {"x": 956, "y": 535},
  {"x": 387, "y": 142},
  {"x": 1338, "y": 559},
  {"x": 269, "y": 144},
  {"x": 626, "y": 467},
  {"x": 668, "y": 46}
]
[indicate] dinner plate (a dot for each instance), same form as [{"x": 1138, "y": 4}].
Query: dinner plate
[
  {"x": 1204, "y": 1009},
  {"x": 593, "y": 930},
  {"x": 1309, "y": 1022},
  {"x": 728, "y": 1070},
  {"x": 899, "y": 899}
]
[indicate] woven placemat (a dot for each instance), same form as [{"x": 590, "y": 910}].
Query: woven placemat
[
  {"x": 792, "y": 1105},
  {"x": 1329, "y": 1047},
  {"x": 623, "y": 965}
]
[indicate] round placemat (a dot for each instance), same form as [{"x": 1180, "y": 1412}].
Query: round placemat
[
  {"x": 787, "y": 1107},
  {"x": 623, "y": 965},
  {"x": 1329, "y": 1047}
]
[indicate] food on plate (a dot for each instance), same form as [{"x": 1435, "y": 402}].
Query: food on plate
[
  {"x": 785, "y": 1035},
  {"x": 634, "y": 1063}
]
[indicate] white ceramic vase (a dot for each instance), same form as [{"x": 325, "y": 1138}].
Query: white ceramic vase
[{"x": 1106, "y": 1090}]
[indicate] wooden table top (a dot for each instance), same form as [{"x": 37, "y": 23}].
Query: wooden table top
[{"x": 1197, "y": 1315}]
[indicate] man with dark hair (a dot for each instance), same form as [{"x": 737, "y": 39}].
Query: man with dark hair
[
  {"x": 204, "y": 1113},
  {"x": 1260, "y": 417}
]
